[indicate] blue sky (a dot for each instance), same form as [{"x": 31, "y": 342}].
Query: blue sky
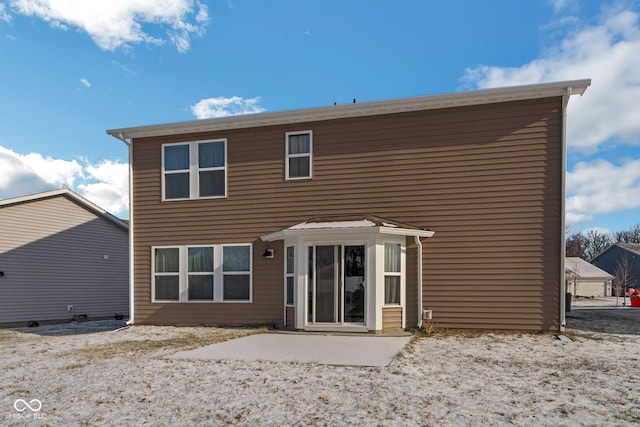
[{"x": 70, "y": 70}]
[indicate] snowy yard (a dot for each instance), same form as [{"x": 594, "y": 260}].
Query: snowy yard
[{"x": 125, "y": 378}]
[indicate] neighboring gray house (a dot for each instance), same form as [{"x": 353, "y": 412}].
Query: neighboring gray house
[
  {"x": 61, "y": 256},
  {"x": 586, "y": 280},
  {"x": 614, "y": 255}
]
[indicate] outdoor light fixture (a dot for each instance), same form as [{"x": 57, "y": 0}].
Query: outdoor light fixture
[{"x": 268, "y": 253}]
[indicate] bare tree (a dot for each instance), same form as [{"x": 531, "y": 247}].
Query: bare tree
[
  {"x": 575, "y": 245},
  {"x": 631, "y": 235},
  {"x": 622, "y": 277},
  {"x": 588, "y": 245},
  {"x": 596, "y": 242}
]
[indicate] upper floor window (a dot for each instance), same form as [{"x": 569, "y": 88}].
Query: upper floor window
[
  {"x": 299, "y": 162},
  {"x": 194, "y": 170}
]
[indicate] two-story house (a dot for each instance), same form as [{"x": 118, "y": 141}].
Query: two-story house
[{"x": 359, "y": 217}]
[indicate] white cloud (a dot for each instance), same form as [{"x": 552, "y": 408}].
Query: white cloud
[
  {"x": 4, "y": 16},
  {"x": 105, "y": 184},
  {"x": 601, "y": 187},
  {"x": 562, "y": 5},
  {"x": 223, "y": 107},
  {"x": 609, "y": 54},
  {"x": 114, "y": 24},
  {"x": 110, "y": 189},
  {"x": 124, "y": 68},
  {"x": 85, "y": 82}
]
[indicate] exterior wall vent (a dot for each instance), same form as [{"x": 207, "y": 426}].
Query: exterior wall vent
[{"x": 426, "y": 314}]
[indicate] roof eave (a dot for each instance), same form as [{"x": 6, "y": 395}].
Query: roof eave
[
  {"x": 282, "y": 234},
  {"x": 65, "y": 192},
  {"x": 429, "y": 102}
]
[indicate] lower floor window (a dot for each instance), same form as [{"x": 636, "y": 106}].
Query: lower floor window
[
  {"x": 202, "y": 273},
  {"x": 392, "y": 290},
  {"x": 392, "y": 273}
]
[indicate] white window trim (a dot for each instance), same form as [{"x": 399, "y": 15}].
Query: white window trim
[
  {"x": 369, "y": 272},
  {"x": 218, "y": 274},
  {"x": 288, "y": 156},
  {"x": 165, "y": 173},
  {"x": 290, "y": 276},
  {"x": 194, "y": 170},
  {"x": 395, "y": 274},
  {"x": 235, "y": 273}
]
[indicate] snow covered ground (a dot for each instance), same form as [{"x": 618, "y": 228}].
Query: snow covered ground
[{"x": 88, "y": 374}]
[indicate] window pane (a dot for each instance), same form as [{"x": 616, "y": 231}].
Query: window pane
[
  {"x": 236, "y": 287},
  {"x": 289, "y": 290},
  {"x": 166, "y": 260},
  {"x": 236, "y": 258},
  {"x": 211, "y": 154},
  {"x": 200, "y": 260},
  {"x": 167, "y": 288},
  {"x": 176, "y": 186},
  {"x": 290, "y": 259},
  {"x": 212, "y": 183},
  {"x": 300, "y": 144},
  {"x": 391, "y": 258},
  {"x": 201, "y": 287},
  {"x": 299, "y": 167},
  {"x": 176, "y": 157},
  {"x": 392, "y": 289}
]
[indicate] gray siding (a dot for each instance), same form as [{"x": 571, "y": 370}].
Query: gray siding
[
  {"x": 52, "y": 253},
  {"x": 610, "y": 259}
]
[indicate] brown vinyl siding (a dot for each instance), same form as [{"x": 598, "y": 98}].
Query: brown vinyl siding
[
  {"x": 391, "y": 318},
  {"x": 486, "y": 179}
]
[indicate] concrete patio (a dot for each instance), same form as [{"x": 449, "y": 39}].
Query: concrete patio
[{"x": 340, "y": 350}]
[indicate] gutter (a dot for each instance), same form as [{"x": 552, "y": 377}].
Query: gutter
[
  {"x": 563, "y": 249},
  {"x": 419, "y": 284},
  {"x": 129, "y": 145}
]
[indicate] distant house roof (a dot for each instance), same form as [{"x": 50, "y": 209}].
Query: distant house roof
[
  {"x": 65, "y": 192},
  {"x": 349, "y": 224},
  {"x": 632, "y": 247},
  {"x": 584, "y": 270},
  {"x": 361, "y": 109}
]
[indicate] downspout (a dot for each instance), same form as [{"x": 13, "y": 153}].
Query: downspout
[
  {"x": 131, "y": 282},
  {"x": 419, "y": 284},
  {"x": 563, "y": 289}
]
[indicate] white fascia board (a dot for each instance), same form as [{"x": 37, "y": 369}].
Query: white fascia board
[
  {"x": 418, "y": 103},
  {"x": 281, "y": 235},
  {"x": 65, "y": 192},
  {"x": 36, "y": 196},
  {"x": 405, "y": 232}
]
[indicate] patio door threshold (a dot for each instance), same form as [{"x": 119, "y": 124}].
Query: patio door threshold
[{"x": 336, "y": 328}]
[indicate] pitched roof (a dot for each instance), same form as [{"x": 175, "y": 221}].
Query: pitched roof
[
  {"x": 349, "y": 224},
  {"x": 418, "y": 103},
  {"x": 632, "y": 247},
  {"x": 65, "y": 192},
  {"x": 584, "y": 270}
]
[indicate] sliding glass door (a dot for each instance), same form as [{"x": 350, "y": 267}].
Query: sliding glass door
[{"x": 336, "y": 285}]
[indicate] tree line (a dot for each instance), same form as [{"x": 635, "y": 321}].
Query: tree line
[{"x": 587, "y": 245}]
